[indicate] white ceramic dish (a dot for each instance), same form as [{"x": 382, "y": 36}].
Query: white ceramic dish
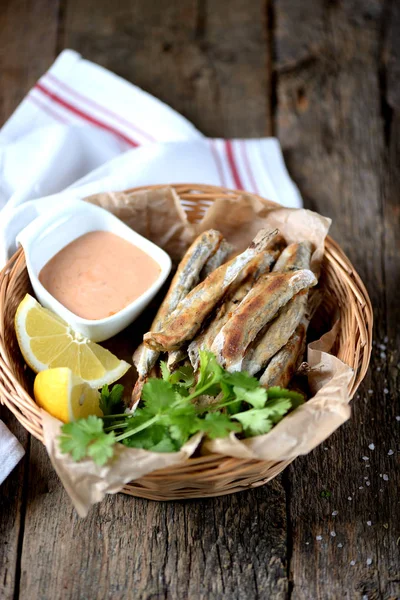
[{"x": 49, "y": 233}]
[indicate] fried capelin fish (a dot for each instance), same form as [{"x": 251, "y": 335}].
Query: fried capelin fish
[
  {"x": 205, "y": 339},
  {"x": 294, "y": 257},
  {"x": 188, "y": 317},
  {"x": 185, "y": 279},
  {"x": 259, "y": 307},
  {"x": 283, "y": 366}
]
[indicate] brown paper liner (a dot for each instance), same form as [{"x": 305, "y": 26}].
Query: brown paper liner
[{"x": 157, "y": 215}]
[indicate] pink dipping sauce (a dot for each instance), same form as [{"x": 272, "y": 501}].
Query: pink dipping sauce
[{"x": 98, "y": 274}]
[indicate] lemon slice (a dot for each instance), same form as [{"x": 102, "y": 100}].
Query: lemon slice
[
  {"x": 65, "y": 395},
  {"x": 46, "y": 342}
]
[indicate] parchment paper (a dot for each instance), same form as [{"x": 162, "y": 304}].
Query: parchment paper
[{"x": 159, "y": 216}]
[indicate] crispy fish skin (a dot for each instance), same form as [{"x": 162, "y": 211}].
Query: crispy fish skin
[
  {"x": 260, "y": 306},
  {"x": 294, "y": 257},
  {"x": 186, "y": 277},
  {"x": 217, "y": 259},
  {"x": 287, "y": 360},
  {"x": 175, "y": 357},
  {"x": 186, "y": 320},
  {"x": 205, "y": 339},
  {"x": 277, "y": 334},
  {"x": 285, "y": 363}
]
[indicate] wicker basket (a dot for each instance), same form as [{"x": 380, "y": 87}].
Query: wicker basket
[{"x": 212, "y": 475}]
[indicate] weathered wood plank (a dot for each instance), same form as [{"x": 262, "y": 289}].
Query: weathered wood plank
[
  {"x": 232, "y": 547},
  {"x": 27, "y": 41},
  {"x": 209, "y": 61},
  {"x": 12, "y": 513},
  {"x": 334, "y": 133},
  {"x": 28, "y": 34}
]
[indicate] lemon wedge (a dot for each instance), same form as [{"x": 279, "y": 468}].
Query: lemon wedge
[
  {"x": 48, "y": 342},
  {"x": 65, "y": 395}
]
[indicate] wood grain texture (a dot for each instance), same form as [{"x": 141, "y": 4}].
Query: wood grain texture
[
  {"x": 132, "y": 548},
  {"x": 12, "y": 514},
  {"x": 332, "y": 120},
  {"x": 230, "y": 547},
  {"x": 28, "y": 33},
  {"x": 207, "y": 60},
  {"x": 28, "y": 36}
]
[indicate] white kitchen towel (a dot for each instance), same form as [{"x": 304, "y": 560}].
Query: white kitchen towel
[
  {"x": 83, "y": 127},
  {"x": 11, "y": 452},
  {"x": 83, "y": 130}
]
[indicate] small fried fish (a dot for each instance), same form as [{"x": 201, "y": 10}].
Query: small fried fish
[
  {"x": 189, "y": 315},
  {"x": 259, "y": 307}
]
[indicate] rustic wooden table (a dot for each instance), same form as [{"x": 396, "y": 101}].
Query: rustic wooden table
[{"x": 325, "y": 78}]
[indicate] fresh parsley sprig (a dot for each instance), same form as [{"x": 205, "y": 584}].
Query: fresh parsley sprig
[{"x": 172, "y": 411}]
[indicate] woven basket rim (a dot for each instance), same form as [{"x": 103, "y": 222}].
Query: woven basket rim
[{"x": 18, "y": 400}]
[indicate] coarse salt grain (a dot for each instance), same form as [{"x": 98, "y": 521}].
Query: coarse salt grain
[
  {"x": 361, "y": 487},
  {"x": 390, "y": 452},
  {"x": 371, "y": 446},
  {"x": 383, "y": 355},
  {"x": 386, "y": 339},
  {"x": 385, "y": 391},
  {"x": 382, "y": 346},
  {"x": 333, "y": 533},
  {"x": 378, "y": 369},
  {"x": 398, "y": 418},
  {"x": 369, "y": 523},
  {"x": 385, "y": 477},
  {"x": 340, "y": 545},
  {"x": 369, "y": 561},
  {"x": 334, "y": 513},
  {"x": 318, "y": 538},
  {"x": 367, "y": 483},
  {"x": 370, "y": 392},
  {"x": 349, "y": 498},
  {"x": 352, "y": 562},
  {"x": 365, "y": 457}
]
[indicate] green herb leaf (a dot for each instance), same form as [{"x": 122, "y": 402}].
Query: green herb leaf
[
  {"x": 158, "y": 395},
  {"x": 257, "y": 397},
  {"x": 217, "y": 425},
  {"x": 111, "y": 402},
  {"x": 183, "y": 376},
  {"x": 86, "y": 438},
  {"x": 164, "y": 370},
  {"x": 210, "y": 372}
]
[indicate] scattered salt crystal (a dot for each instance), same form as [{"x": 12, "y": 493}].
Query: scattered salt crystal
[
  {"x": 365, "y": 457},
  {"x": 371, "y": 446},
  {"x": 366, "y": 477},
  {"x": 340, "y": 545},
  {"x": 361, "y": 487},
  {"x": 369, "y": 523},
  {"x": 383, "y": 355},
  {"x": 367, "y": 483},
  {"x": 364, "y": 597},
  {"x": 367, "y": 466},
  {"x": 333, "y": 533},
  {"x": 350, "y": 498},
  {"x": 326, "y": 448},
  {"x": 382, "y": 346},
  {"x": 398, "y": 418},
  {"x": 385, "y": 477},
  {"x": 335, "y": 512},
  {"x": 390, "y": 452},
  {"x": 318, "y": 538},
  {"x": 380, "y": 474},
  {"x": 369, "y": 561},
  {"x": 307, "y": 543},
  {"x": 385, "y": 391},
  {"x": 381, "y": 490},
  {"x": 386, "y": 339},
  {"x": 352, "y": 562},
  {"x": 378, "y": 369},
  {"x": 370, "y": 392}
]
